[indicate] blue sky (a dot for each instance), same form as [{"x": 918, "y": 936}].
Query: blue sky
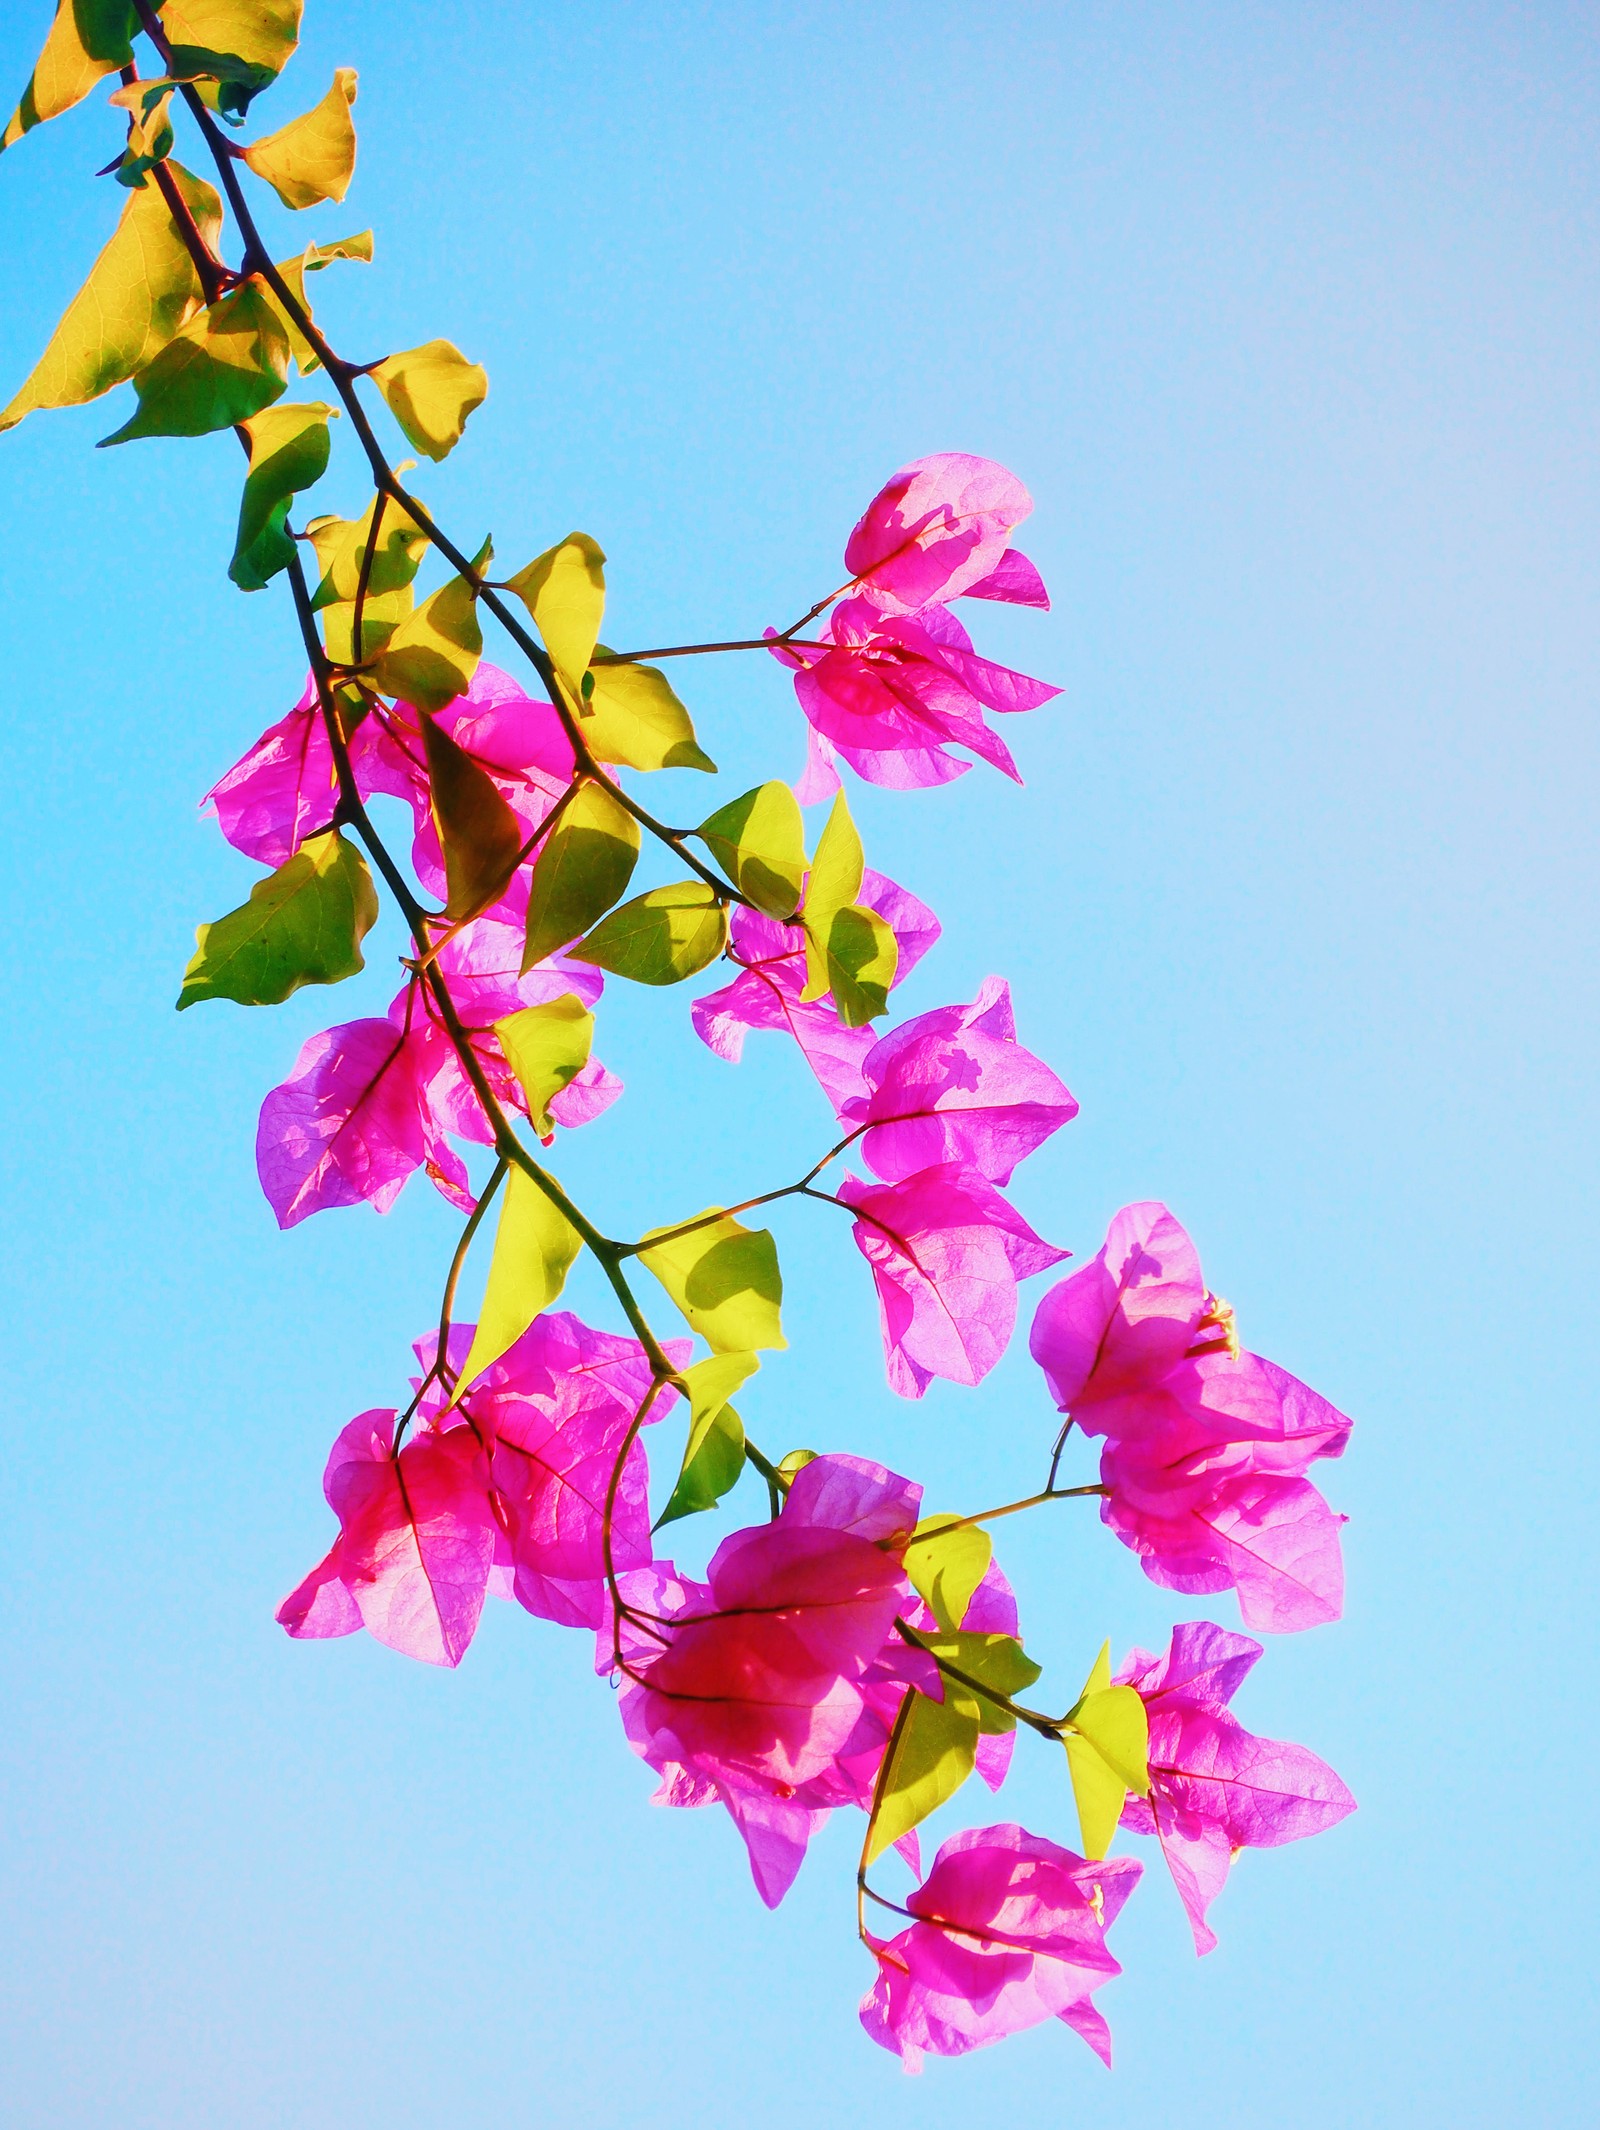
[{"x": 1287, "y": 315}]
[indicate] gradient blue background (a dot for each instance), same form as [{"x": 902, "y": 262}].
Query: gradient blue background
[{"x": 1287, "y": 314}]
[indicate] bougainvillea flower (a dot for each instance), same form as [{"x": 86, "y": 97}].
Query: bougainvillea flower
[
  {"x": 956, "y": 1085},
  {"x": 1206, "y": 1446},
  {"x": 415, "y": 1546},
  {"x": 766, "y": 992},
  {"x": 1014, "y": 581},
  {"x": 1008, "y": 1930},
  {"x": 1214, "y": 1788},
  {"x": 283, "y": 789},
  {"x": 892, "y": 694},
  {"x": 935, "y": 529},
  {"x": 946, "y": 1251}
]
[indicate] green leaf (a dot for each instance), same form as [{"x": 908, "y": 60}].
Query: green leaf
[
  {"x": 534, "y": 1248},
  {"x": 993, "y": 1660},
  {"x": 302, "y": 925},
  {"x": 142, "y": 289},
  {"x": 547, "y": 1047},
  {"x": 583, "y": 866},
  {"x": 713, "y": 1457},
  {"x": 431, "y": 657},
  {"x": 933, "y": 1750},
  {"x": 759, "y": 841},
  {"x": 564, "y": 590},
  {"x": 312, "y": 261},
  {"x": 946, "y": 1562},
  {"x": 288, "y": 453},
  {"x": 632, "y": 718},
  {"x": 725, "y": 1281},
  {"x": 835, "y": 882},
  {"x": 227, "y": 363},
  {"x": 859, "y": 955},
  {"x": 88, "y": 40},
  {"x": 1107, "y": 1737},
  {"x": 479, "y": 834},
  {"x": 430, "y": 391},
  {"x": 661, "y": 937},
  {"x": 796, "y": 1461},
  {"x": 313, "y": 158},
  {"x": 243, "y": 44}
]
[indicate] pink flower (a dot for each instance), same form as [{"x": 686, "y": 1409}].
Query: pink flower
[
  {"x": 892, "y": 694},
  {"x": 766, "y": 992},
  {"x": 416, "y": 1542},
  {"x": 946, "y": 1251},
  {"x": 937, "y": 528},
  {"x": 283, "y": 789},
  {"x": 1206, "y": 1447},
  {"x": 1007, "y": 1930},
  {"x": 956, "y": 1085},
  {"x": 1214, "y": 1788}
]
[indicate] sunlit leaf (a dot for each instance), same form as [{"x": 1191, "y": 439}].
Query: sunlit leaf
[
  {"x": 142, "y": 290},
  {"x": 312, "y": 158},
  {"x": 725, "y": 1280},
  {"x": 288, "y": 453},
  {"x": 242, "y": 44},
  {"x": 227, "y": 363},
  {"x": 632, "y": 718},
  {"x": 836, "y": 875},
  {"x": 946, "y": 1562},
  {"x": 88, "y": 40},
  {"x": 998, "y": 1661},
  {"x": 934, "y": 1750},
  {"x": 304, "y": 924},
  {"x": 430, "y": 391},
  {"x": 860, "y": 955},
  {"x": 431, "y": 657},
  {"x": 547, "y": 1046},
  {"x": 713, "y": 1457},
  {"x": 1107, "y": 1737},
  {"x": 659, "y": 938},
  {"x": 564, "y": 590},
  {"x": 534, "y": 1248},
  {"x": 479, "y": 834},
  {"x": 759, "y": 841},
  {"x": 149, "y": 130},
  {"x": 311, "y": 261},
  {"x": 340, "y": 545},
  {"x": 583, "y": 867}
]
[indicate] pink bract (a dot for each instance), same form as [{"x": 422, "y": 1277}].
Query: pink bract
[
  {"x": 1008, "y": 1930},
  {"x": 935, "y": 529}
]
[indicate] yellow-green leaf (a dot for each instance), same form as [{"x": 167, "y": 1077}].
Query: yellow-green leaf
[
  {"x": 312, "y": 261},
  {"x": 835, "y": 882},
  {"x": 312, "y": 158},
  {"x": 796, "y": 1461},
  {"x": 479, "y": 834},
  {"x": 1107, "y": 1737},
  {"x": 724, "y": 1279},
  {"x": 632, "y": 718},
  {"x": 227, "y": 363},
  {"x": 934, "y": 1748},
  {"x": 759, "y": 841},
  {"x": 997, "y": 1661},
  {"x": 859, "y": 955},
  {"x": 564, "y": 589},
  {"x": 149, "y": 129},
  {"x": 583, "y": 867},
  {"x": 88, "y": 40},
  {"x": 288, "y": 453},
  {"x": 143, "y": 288},
  {"x": 243, "y": 44},
  {"x": 946, "y": 1562},
  {"x": 713, "y": 1457},
  {"x": 430, "y": 391},
  {"x": 431, "y": 657},
  {"x": 547, "y": 1047},
  {"x": 534, "y": 1248},
  {"x": 340, "y": 545},
  {"x": 659, "y": 938},
  {"x": 304, "y": 924}
]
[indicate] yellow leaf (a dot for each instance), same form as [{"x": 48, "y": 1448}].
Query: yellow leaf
[
  {"x": 859, "y": 955},
  {"x": 835, "y": 882},
  {"x": 633, "y": 719},
  {"x": 534, "y": 1248},
  {"x": 88, "y": 40},
  {"x": 724, "y": 1278},
  {"x": 583, "y": 867},
  {"x": 547, "y": 1047},
  {"x": 564, "y": 589},
  {"x": 946, "y": 1562},
  {"x": 227, "y": 363},
  {"x": 312, "y": 158},
  {"x": 1107, "y": 1737},
  {"x": 430, "y": 391},
  {"x": 243, "y": 43},
  {"x": 142, "y": 290},
  {"x": 311, "y": 261},
  {"x": 759, "y": 841},
  {"x": 431, "y": 658},
  {"x": 934, "y": 1750},
  {"x": 661, "y": 937}
]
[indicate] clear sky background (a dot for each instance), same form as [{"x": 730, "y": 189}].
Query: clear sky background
[{"x": 1288, "y": 317}]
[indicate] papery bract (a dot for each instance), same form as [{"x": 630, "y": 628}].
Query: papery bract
[
  {"x": 1009, "y": 1930},
  {"x": 946, "y": 1251},
  {"x": 284, "y": 788},
  {"x": 956, "y": 1085},
  {"x": 346, "y": 1125},
  {"x": 935, "y": 529},
  {"x": 1214, "y": 1788}
]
